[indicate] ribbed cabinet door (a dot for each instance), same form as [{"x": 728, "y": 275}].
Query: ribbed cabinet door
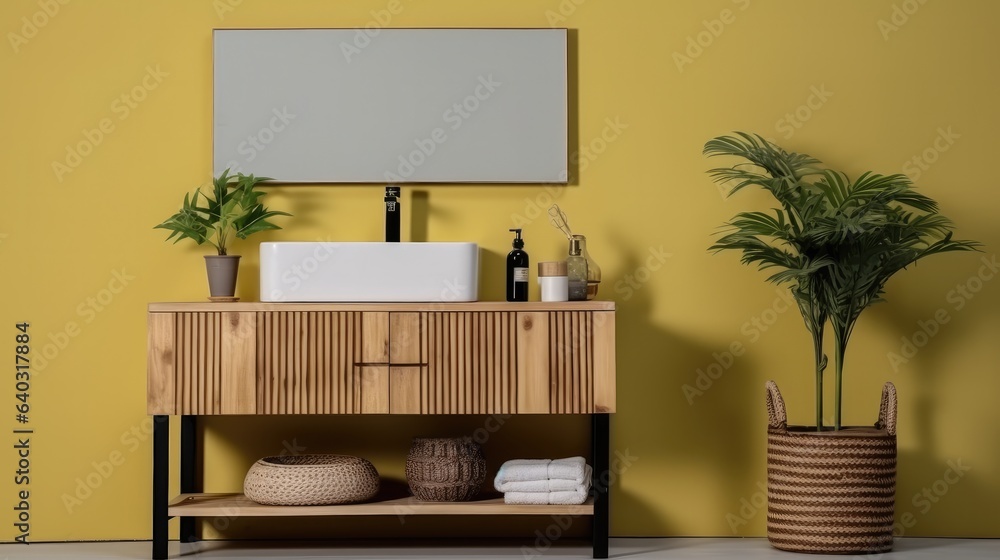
[
  {"x": 470, "y": 363},
  {"x": 532, "y": 362},
  {"x": 571, "y": 363},
  {"x": 202, "y": 363},
  {"x": 198, "y": 363},
  {"x": 237, "y": 389},
  {"x": 307, "y": 362},
  {"x": 555, "y": 362}
]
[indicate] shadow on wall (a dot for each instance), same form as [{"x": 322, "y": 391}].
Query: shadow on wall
[
  {"x": 420, "y": 211},
  {"x": 927, "y": 335},
  {"x": 492, "y": 265},
  {"x": 680, "y": 438}
]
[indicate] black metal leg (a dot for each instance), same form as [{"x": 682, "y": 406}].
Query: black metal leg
[
  {"x": 602, "y": 454},
  {"x": 161, "y": 482},
  {"x": 188, "y": 485}
]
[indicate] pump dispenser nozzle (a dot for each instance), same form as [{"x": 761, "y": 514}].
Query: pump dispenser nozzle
[{"x": 518, "y": 242}]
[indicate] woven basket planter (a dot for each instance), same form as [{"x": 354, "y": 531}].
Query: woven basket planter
[
  {"x": 445, "y": 469},
  {"x": 831, "y": 492},
  {"x": 311, "y": 480}
]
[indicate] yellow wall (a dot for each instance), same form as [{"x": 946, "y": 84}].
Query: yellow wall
[{"x": 884, "y": 95}]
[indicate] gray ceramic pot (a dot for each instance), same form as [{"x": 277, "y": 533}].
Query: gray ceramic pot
[{"x": 222, "y": 271}]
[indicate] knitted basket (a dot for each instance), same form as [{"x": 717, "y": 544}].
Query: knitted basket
[
  {"x": 311, "y": 480},
  {"x": 445, "y": 469},
  {"x": 831, "y": 492}
]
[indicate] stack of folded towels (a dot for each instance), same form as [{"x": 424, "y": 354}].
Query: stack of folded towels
[{"x": 544, "y": 481}]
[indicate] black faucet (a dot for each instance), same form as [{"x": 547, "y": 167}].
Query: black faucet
[{"x": 392, "y": 214}]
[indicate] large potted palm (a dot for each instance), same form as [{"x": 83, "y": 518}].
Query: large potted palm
[{"x": 834, "y": 242}]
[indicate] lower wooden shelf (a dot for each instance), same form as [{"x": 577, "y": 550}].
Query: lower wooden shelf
[{"x": 238, "y": 505}]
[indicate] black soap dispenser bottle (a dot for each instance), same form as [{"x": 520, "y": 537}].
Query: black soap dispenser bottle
[{"x": 517, "y": 270}]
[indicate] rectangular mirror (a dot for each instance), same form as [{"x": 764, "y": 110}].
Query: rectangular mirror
[{"x": 392, "y": 105}]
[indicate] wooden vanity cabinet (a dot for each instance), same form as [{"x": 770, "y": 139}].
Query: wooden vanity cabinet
[{"x": 460, "y": 358}]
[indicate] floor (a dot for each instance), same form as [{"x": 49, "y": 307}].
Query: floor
[{"x": 631, "y": 549}]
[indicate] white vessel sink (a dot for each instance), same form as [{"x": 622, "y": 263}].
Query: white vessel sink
[{"x": 358, "y": 271}]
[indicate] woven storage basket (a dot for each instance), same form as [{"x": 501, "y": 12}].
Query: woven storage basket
[
  {"x": 445, "y": 469},
  {"x": 831, "y": 492},
  {"x": 311, "y": 480}
]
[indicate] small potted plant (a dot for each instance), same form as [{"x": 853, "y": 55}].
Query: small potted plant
[
  {"x": 233, "y": 209},
  {"x": 835, "y": 242}
]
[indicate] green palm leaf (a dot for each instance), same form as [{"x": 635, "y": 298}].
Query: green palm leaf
[
  {"x": 234, "y": 207},
  {"x": 834, "y": 241}
]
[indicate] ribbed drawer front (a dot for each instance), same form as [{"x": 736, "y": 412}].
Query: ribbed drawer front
[
  {"x": 307, "y": 362},
  {"x": 198, "y": 363},
  {"x": 471, "y": 364},
  {"x": 571, "y": 363},
  {"x": 381, "y": 362}
]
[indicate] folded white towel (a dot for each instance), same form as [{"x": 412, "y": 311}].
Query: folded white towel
[
  {"x": 575, "y": 496},
  {"x": 520, "y": 470},
  {"x": 550, "y": 485},
  {"x": 526, "y": 498},
  {"x": 569, "y": 497},
  {"x": 523, "y": 486},
  {"x": 570, "y": 468},
  {"x": 558, "y": 484}
]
